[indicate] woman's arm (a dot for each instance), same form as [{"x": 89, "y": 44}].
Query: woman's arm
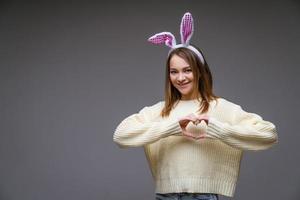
[
  {"x": 247, "y": 132},
  {"x": 139, "y": 129}
]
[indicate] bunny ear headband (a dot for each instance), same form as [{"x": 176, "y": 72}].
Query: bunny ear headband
[{"x": 186, "y": 32}]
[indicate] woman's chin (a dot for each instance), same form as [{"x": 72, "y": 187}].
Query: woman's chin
[{"x": 185, "y": 91}]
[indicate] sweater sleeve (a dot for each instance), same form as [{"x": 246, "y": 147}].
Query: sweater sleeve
[
  {"x": 140, "y": 128},
  {"x": 248, "y": 131}
]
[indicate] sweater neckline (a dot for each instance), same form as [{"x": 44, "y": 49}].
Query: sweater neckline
[{"x": 188, "y": 101}]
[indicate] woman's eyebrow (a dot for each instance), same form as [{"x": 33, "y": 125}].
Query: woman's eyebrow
[{"x": 183, "y": 68}]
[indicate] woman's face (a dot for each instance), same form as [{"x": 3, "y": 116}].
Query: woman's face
[{"x": 181, "y": 76}]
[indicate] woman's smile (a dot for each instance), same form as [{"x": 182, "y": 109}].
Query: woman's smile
[{"x": 182, "y": 84}]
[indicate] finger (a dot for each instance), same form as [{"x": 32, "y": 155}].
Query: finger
[
  {"x": 183, "y": 123},
  {"x": 203, "y": 117},
  {"x": 190, "y": 137},
  {"x": 186, "y": 118},
  {"x": 185, "y": 133},
  {"x": 197, "y": 121},
  {"x": 202, "y": 136}
]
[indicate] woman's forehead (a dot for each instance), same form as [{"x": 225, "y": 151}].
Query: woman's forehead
[{"x": 177, "y": 62}]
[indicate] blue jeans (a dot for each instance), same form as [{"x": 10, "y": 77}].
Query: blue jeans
[{"x": 186, "y": 196}]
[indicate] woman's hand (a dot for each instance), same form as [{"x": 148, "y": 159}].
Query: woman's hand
[{"x": 183, "y": 122}]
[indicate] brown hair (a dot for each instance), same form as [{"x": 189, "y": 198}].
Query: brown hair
[{"x": 202, "y": 80}]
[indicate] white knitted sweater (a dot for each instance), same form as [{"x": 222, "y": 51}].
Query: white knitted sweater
[{"x": 181, "y": 164}]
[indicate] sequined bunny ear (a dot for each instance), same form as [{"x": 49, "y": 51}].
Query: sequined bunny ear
[
  {"x": 163, "y": 37},
  {"x": 186, "y": 28}
]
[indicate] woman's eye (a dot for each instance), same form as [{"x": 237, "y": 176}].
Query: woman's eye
[
  {"x": 188, "y": 70},
  {"x": 172, "y": 72}
]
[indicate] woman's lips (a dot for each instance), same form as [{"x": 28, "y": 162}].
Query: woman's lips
[{"x": 183, "y": 85}]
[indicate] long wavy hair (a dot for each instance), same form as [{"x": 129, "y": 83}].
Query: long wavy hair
[{"x": 202, "y": 81}]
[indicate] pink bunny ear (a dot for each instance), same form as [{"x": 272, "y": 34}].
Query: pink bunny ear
[
  {"x": 186, "y": 28},
  {"x": 163, "y": 37}
]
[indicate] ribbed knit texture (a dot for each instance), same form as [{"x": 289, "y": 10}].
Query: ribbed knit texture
[{"x": 210, "y": 165}]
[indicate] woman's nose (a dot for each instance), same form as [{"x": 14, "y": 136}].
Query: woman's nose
[{"x": 181, "y": 77}]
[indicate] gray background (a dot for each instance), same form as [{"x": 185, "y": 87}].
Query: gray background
[{"x": 70, "y": 72}]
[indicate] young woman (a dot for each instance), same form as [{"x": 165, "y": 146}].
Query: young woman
[{"x": 193, "y": 140}]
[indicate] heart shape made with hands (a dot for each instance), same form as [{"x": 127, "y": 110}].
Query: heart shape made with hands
[{"x": 195, "y": 120}]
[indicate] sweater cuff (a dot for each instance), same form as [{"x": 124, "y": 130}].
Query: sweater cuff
[
  {"x": 215, "y": 129},
  {"x": 170, "y": 127}
]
